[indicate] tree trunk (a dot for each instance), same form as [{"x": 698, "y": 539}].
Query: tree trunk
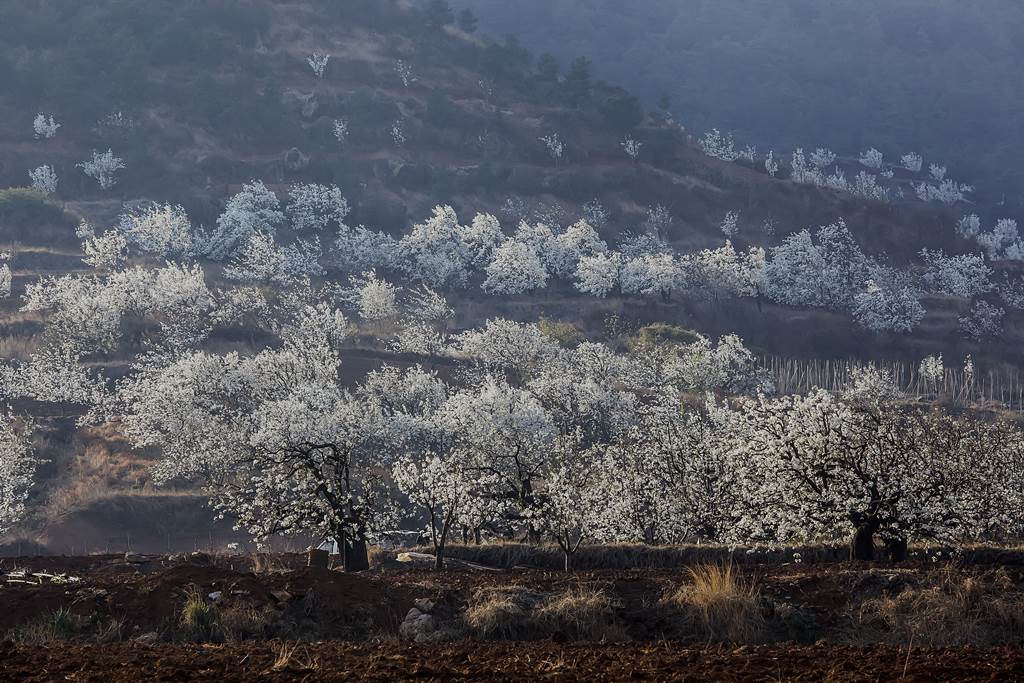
[
  {"x": 356, "y": 557},
  {"x": 863, "y": 545},
  {"x": 568, "y": 561},
  {"x": 438, "y": 559},
  {"x": 477, "y": 537},
  {"x": 897, "y": 549}
]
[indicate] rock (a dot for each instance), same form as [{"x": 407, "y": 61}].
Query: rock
[
  {"x": 416, "y": 558},
  {"x": 216, "y": 596},
  {"x": 198, "y": 558},
  {"x": 416, "y": 626},
  {"x": 424, "y": 605},
  {"x": 281, "y": 596},
  {"x": 150, "y": 638},
  {"x": 134, "y": 558}
]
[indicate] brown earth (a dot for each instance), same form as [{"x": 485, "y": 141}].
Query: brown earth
[
  {"x": 120, "y": 619},
  {"x": 504, "y": 662}
]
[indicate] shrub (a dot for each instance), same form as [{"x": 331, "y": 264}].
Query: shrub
[
  {"x": 565, "y": 333},
  {"x": 24, "y": 206}
]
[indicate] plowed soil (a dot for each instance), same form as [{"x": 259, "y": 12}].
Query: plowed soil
[
  {"x": 503, "y": 662},
  {"x": 346, "y": 627}
]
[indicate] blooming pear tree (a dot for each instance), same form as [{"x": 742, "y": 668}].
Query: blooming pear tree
[
  {"x": 17, "y": 468},
  {"x": 254, "y": 209},
  {"x": 515, "y": 269}
]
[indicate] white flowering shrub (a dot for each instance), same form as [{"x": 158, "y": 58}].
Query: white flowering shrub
[
  {"x": 341, "y": 130},
  {"x": 318, "y": 63},
  {"x": 964, "y": 276},
  {"x": 730, "y": 225},
  {"x": 912, "y": 161},
  {"x": 102, "y": 168},
  {"x": 872, "y": 159},
  {"x": 44, "y": 126},
  {"x": 255, "y": 209},
  {"x": 405, "y": 72},
  {"x": 719, "y": 146},
  {"x": 631, "y": 147},
  {"x": 163, "y": 230},
  {"x": 44, "y": 179},
  {"x": 315, "y": 208},
  {"x": 947, "y": 192},
  {"x": 822, "y": 158},
  {"x": 554, "y": 145},
  {"x": 984, "y": 321},
  {"x": 888, "y": 304}
]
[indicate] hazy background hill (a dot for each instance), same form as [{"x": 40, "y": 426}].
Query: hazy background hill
[{"x": 938, "y": 76}]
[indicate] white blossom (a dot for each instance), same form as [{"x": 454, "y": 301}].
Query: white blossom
[
  {"x": 719, "y": 146},
  {"x": 632, "y": 147},
  {"x": 315, "y": 208},
  {"x": 17, "y": 470},
  {"x": 405, "y": 72},
  {"x": 912, "y": 161},
  {"x": 44, "y": 179},
  {"x": 515, "y": 269},
  {"x": 44, "y": 126},
  {"x": 822, "y": 158},
  {"x": 318, "y": 63},
  {"x": 554, "y": 145},
  {"x": 872, "y": 159},
  {"x": 102, "y": 168},
  {"x": 730, "y": 225}
]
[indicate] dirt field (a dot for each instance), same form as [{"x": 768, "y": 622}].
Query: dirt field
[
  {"x": 503, "y": 662},
  {"x": 200, "y": 618}
]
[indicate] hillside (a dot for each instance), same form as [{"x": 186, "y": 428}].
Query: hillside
[
  {"x": 934, "y": 76},
  {"x": 432, "y": 116},
  {"x": 195, "y": 115}
]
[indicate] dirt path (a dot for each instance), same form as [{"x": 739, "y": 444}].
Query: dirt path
[{"x": 503, "y": 662}]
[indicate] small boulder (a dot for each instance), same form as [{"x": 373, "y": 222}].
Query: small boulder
[
  {"x": 134, "y": 558},
  {"x": 424, "y": 605},
  {"x": 416, "y": 626}
]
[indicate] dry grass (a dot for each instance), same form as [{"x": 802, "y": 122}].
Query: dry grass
[
  {"x": 951, "y": 608},
  {"x": 719, "y": 604},
  {"x": 501, "y": 613},
  {"x": 248, "y": 623},
  {"x": 583, "y": 613},
  {"x": 625, "y": 556},
  {"x": 199, "y": 619},
  {"x": 294, "y": 659},
  {"x": 50, "y": 627},
  {"x": 515, "y": 613}
]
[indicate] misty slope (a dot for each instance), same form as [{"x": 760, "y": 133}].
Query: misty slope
[{"x": 936, "y": 76}]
